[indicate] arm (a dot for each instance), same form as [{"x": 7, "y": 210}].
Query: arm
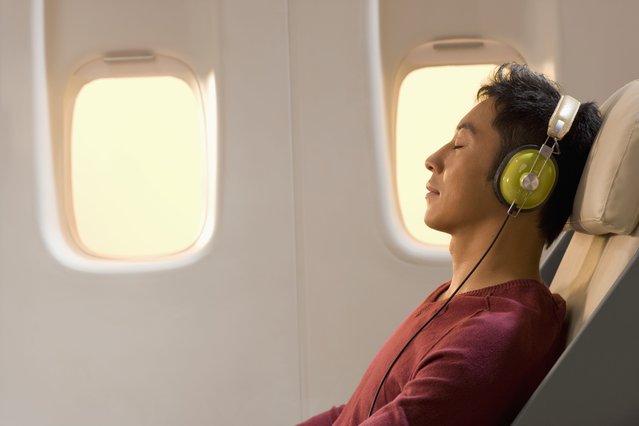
[
  {"x": 481, "y": 373},
  {"x": 444, "y": 392},
  {"x": 324, "y": 419}
]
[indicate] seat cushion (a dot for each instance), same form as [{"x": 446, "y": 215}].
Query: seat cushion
[{"x": 607, "y": 200}]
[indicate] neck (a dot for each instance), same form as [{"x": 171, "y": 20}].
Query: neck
[{"x": 515, "y": 254}]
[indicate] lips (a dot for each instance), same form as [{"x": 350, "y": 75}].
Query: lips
[
  {"x": 431, "y": 189},
  {"x": 432, "y": 192}
]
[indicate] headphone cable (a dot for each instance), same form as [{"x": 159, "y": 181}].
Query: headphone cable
[{"x": 381, "y": 383}]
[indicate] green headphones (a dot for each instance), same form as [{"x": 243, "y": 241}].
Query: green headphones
[{"x": 526, "y": 177}]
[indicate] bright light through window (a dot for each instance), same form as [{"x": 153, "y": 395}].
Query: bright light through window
[
  {"x": 431, "y": 102},
  {"x": 137, "y": 167}
]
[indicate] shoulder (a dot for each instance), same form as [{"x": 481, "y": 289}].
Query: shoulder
[
  {"x": 526, "y": 300},
  {"x": 519, "y": 298},
  {"x": 514, "y": 317}
]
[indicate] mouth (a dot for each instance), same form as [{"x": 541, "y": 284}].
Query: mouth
[{"x": 431, "y": 190}]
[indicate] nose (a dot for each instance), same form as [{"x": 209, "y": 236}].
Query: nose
[
  {"x": 429, "y": 163},
  {"x": 433, "y": 163}
]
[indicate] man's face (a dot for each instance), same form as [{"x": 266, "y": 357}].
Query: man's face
[{"x": 460, "y": 194}]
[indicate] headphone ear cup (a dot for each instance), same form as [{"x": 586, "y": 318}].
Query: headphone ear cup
[{"x": 507, "y": 182}]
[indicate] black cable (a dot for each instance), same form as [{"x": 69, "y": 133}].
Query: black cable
[{"x": 381, "y": 383}]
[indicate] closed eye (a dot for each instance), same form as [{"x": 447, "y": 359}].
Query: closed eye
[{"x": 457, "y": 146}]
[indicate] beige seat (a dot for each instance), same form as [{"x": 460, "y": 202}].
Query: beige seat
[{"x": 596, "y": 380}]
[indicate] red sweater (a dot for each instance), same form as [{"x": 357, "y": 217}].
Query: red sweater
[{"x": 476, "y": 364}]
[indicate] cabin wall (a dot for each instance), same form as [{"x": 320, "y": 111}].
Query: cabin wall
[
  {"x": 281, "y": 313},
  {"x": 596, "y": 47},
  {"x": 354, "y": 288},
  {"x": 211, "y": 342}
]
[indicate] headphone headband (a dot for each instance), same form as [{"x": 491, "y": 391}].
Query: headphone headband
[{"x": 563, "y": 117}]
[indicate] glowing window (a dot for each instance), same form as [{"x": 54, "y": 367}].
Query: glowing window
[
  {"x": 431, "y": 102},
  {"x": 137, "y": 167}
]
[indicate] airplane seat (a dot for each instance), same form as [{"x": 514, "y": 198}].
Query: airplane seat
[
  {"x": 605, "y": 212},
  {"x": 594, "y": 380}
]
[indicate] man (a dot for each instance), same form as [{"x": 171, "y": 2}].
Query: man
[{"x": 476, "y": 359}]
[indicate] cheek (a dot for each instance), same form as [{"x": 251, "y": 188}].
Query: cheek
[
  {"x": 485, "y": 194},
  {"x": 468, "y": 178},
  {"x": 473, "y": 190}
]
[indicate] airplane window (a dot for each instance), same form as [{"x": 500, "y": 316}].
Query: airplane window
[
  {"x": 431, "y": 102},
  {"x": 137, "y": 167}
]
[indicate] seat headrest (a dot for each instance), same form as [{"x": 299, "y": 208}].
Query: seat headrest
[{"x": 607, "y": 199}]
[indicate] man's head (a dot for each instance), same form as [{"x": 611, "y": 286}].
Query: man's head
[
  {"x": 460, "y": 199},
  {"x": 524, "y": 102}
]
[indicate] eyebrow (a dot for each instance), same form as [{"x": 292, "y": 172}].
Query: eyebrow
[{"x": 468, "y": 126}]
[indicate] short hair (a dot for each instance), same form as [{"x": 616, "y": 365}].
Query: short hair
[{"x": 524, "y": 102}]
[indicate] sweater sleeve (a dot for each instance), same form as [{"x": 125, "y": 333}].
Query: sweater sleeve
[
  {"x": 481, "y": 373},
  {"x": 324, "y": 419}
]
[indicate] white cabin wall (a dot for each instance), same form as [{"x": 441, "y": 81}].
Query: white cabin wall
[
  {"x": 213, "y": 342},
  {"x": 598, "y": 45},
  {"x": 355, "y": 289}
]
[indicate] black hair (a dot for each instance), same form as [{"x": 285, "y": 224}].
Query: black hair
[{"x": 524, "y": 101}]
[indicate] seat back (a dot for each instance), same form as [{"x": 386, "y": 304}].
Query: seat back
[
  {"x": 594, "y": 380},
  {"x": 605, "y": 213}
]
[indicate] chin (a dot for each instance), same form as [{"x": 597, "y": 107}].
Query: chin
[
  {"x": 437, "y": 223},
  {"x": 432, "y": 223}
]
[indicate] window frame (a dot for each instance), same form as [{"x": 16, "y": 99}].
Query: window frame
[{"x": 130, "y": 64}]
